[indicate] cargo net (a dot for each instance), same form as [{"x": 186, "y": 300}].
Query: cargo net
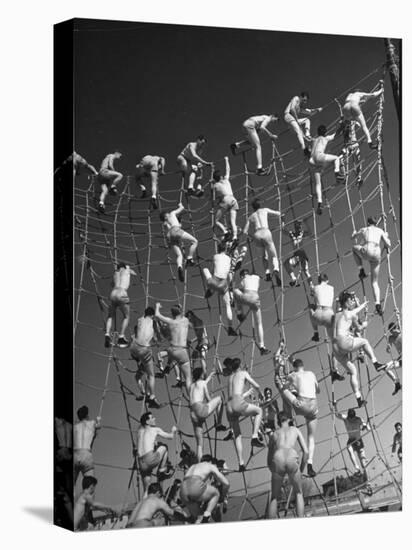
[{"x": 130, "y": 231}]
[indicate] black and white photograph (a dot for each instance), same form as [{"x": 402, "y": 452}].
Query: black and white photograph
[{"x": 229, "y": 217}]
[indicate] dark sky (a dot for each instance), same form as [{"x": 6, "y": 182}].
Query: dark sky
[{"x": 145, "y": 88}]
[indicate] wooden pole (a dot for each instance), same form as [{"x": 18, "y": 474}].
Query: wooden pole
[{"x": 392, "y": 63}]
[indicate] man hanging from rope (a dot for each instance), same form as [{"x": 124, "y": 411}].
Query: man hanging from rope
[
  {"x": 79, "y": 165},
  {"x": 262, "y": 238},
  {"x": 178, "y": 326},
  {"x": 282, "y": 459},
  {"x": 141, "y": 352},
  {"x": 226, "y": 202},
  {"x": 119, "y": 298},
  {"x": 219, "y": 282},
  {"x": 354, "y": 426},
  {"x": 146, "y": 509},
  {"x": 352, "y": 110},
  {"x": 344, "y": 343},
  {"x": 237, "y": 407},
  {"x": 202, "y": 406},
  {"x": 84, "y": 434},
  {"x": 247, "y": 294},
  {"x": 86, "y": 503},
  {"x": 395, "y": 339},
  {"x": 253, "y": 127},
  {"x": 397, "y": 440},
  {"x": 197, "y": 491},
  {"x": 150, "y": 454},
  {"x": 109, "y": 178},
  {"x": 202, "y": 340},
  {"x": 280, "y": 359},
  {"x": 150, "y": 166},
  {"x": 299, "y": 124},
  {"x": 270, "y": 409},
  {"x": 300, "y": 390},
  {"x": 189, "y": 162},
  {"x": 320, "y": 160},
  {"x": 369, "y": 249},
  {"x": 351, "y": 146},
  {"x": 177, "y": 239},
  {"x": 299, "y": 256}
]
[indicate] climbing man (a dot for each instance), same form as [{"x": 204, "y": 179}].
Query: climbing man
[
  {"x": 202, "y": 406},
  {"x": 109, "y": 178},
  {"x": 262, "y": 238},
  {"x": 146, "y": 509},
  {"x": 119, "y": 298},
  {"x": 150, "y": 454},
  {"x": 197, "y": 491},
  {"x": 177, "y": 239},
  {"x": 344, "y": 343},
  {"x": 298, "y": 123},
  {"x": 84, "y": 434},
  {"x": 282, "y": 459},
  {"x": 237, "y": 407},
  {"x": 351, "y": 146},
  {"x": 352, "y": 110},
  {"x": 300, "y": 390},
  {"x": 219, "y": 282},
  {"x": 79, "y": 165},
  {"x": 253, "y": 127},
  {"x": 201, "y": 340},
  {"x": 178, "y": 326},
  {"x": 226, "y": 204},
  {"x": 189, "y": 161},
  {"x": 369, "y": 248},
  {"x": 354, "y": 426},
  {"x": 299, "y": 256},
  {"x": 395, "y": 339},
  {"x": 150, "y": 166},
  {"x": 397, "y": 440},
  {"x": 86, "y": 503},
  {"x": 247, "y": 294},
  {"x": 141, "y": 352},
  {"x": 320, "y": 160}
]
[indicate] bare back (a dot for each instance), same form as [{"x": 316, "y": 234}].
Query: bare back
[
  {"x": 146, "y": 439},
  {"x": 324, "y": 294},
  {"x": 145, "y": 331},
  {"x": 147, "y": 508},
  {"x": 83, "y": 434},
  {"x": 259, "y": 219},
  {"x": 372, "y": 235},
  {"x": 198, "y": 392},
  {"x": 305, "y": 383},
  {"x": 121, "y": 278},
  {"x": 285, "y": 437},
  {"x": 171, "y": 220},
  {"x": 343, "y": 322},
  {"x": 237, "y": 383},
  {"x": 223, "y": 188},
  {"x": 179, "y": 329}
]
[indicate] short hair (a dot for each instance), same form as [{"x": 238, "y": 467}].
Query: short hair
[
  {"x": 217, "y": 175},
  {"x": 149, "y": 311},
  {"x": 304, "y": 94},
  {"x": 351, "y": 413},
  {"x": 228, "y": 361},
  {"x": 88, "y": 481},
  {"x": 117, "y": 152},
  {"x": 207, "y": 458},
  {"x": 221, "y": 247},
  {"x": 323, "y": 277},
  {"x": 322, "y": 130},
  {"x": 282, "y": 417},
  {"x": 267, "y": 389},
  {"x": 344, "y": 297},
  {"x": 154, "y": 488},
  {"x": 298, "y": 223},
  {"x": 188, "y": 313},
  {"x": 398, "y": 424},
  {"x": 144, "y": 418},
  {"x": 297, "y": 363},
  {"x": 162, "y": 216},
  {"x": 236, "y": 362},
  {"x": 244, "y": 272},
  {"x": 176, "y": 310},
  {"x": 121, "y": 265},
  {"x": 256, "y": 204},
  {"x": 197, "y": 373},
  {"x": 372, "y": 220},
  {"x": 201, "y": 137},
  {"x": 82, "y": 412},
  {"x": 391, "y": 325}
]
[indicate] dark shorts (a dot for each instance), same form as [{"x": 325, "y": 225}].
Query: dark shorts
[
  {"x": 148, "y": 462},
  {"x": 356, "y": 444}
]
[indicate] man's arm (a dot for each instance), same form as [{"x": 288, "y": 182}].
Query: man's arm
[
  {"x": 162, "y": 164},
  {"x": 178, "y": 210},
  {"x": 161, "y": 317},
  {"x": 163, "y": 507},
  {"x": 227, "y": 168},
  {"x": 395, "y": 441},
  {"x": 192, "y": 149},
  {"x": 220, "y": 477},
  {"x": 97, "y": 423},
  {"x": 167, "y": 435},
  {"x": 264, "y": 129},
  {"x": 102, "y": 507},
  {"x": 110, "y": 162},
  {"x": 386, "y": 240},
  {"x": 273, "y": 212},
  {"x": 246, "y": 228},
  {"x": 252, "y": 382}
]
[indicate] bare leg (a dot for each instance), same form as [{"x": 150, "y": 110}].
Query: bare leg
[
  {"x": 352, "y": 457},
  {"x": 154, "y": 176},
  {"x": 125, "y": 309},
  {"x": 188, "y": 239},
  {"x": 289, "y": 268},
  {"x": 179, "y": 256},
  {"x": 298, "y": 131},
  {"x": 272, "y": 253},
  {"x": 257, "y": 315},
  {"x": 353, "y": 376},
  {"x": 277, "y": 482},
  {"x": 218, "y": 217},
  {"x": 361, "y": 119},
  {"x": 375, "y": 282},
  {"x": 199, "y": 441},
  {"x": 296, "y": 482},
  {"x": 364, "y": 343},
  {"x": 151, "y": 378},
  {"x": 255, "y": 141},
  {"x": 228, "y": 309},
  {"x": 233, "y": 214},
  {"x": 211, "y": 497},
  {"x": 311, "y": 425},
  {"x": 234, "y": 423},
  {"x": 357, "y": 255},
  {"x": 185, "y": 369},
  {"x": 104, "y": 193}
]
